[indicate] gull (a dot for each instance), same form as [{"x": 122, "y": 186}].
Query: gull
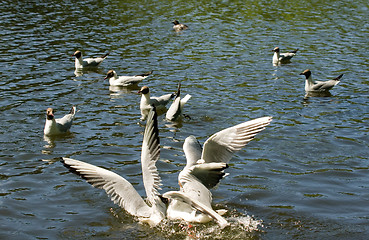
[
  {"x": 121, "y": 192},
  {"x": 179, "y": 26},
  {"x": 175, "y": 110},
  {"x": 115, "y": 80},
  {"x": 87, "y": 62},
  {"x": 319, "y": 86},
  {"x": 279, "y": 58},
  {"x": 205, "y": 168},
  {"x": 203, "y": 171},
  {"x": 147, "y": 102},
  {"x": 58, "y": 126}
]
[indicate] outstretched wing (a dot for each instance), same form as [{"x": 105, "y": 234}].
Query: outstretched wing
[
  {"x": 206, "y": 174},
  {"x": 119, "y": 189},
  {"x": 221, "y": 146},
  {"x": 149, "y": 156}
]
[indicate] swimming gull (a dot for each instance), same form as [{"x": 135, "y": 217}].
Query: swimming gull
[
  {"x": 115, "y": 80},
  {"x": 280, "y": 58},
  {"x": 179, "y": 26},
  {"x": 147, "y": 102},
  {"x": 87, "y": 62},
  {"x": 319, "y": 86},
  {"x": 58, "y": 126}
]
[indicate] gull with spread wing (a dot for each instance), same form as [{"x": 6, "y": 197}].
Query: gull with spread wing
[
  {"x": 121, "y": 192},
  {"x": 205, "y": 168}
]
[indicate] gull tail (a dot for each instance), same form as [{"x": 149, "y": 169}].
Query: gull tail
[
  {"x": 197, "y": 205},
  {"x": 338, "y": 78},
  {"x": 145, "y": 74},
  {"x": 295, "y": 51},
  {"x": 105, "y": 55}
]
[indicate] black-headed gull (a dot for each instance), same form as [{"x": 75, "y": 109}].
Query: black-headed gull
[
  {"x": 280, "y": 58},
  {"x": 58, "y": 126},
  {"x": 205, "y": 168},
  {"x": 179, "y": 26},
  {"x": 120, "y": 190},
  {"x": 115, "y": 80},
  {"x": 319, "y": 86},
  {"x": 147, "y": 102},
  {"x": 175, "y": 110},
  {"x": 87, "y": 62}
]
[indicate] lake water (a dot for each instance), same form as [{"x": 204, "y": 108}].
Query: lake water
[{"x": 304, "y": 177}]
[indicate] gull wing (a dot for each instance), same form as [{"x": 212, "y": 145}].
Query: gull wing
[
  {"x": 65, "y": 123},
  {"x": 179, "y": 196},
  {"x": 145, "y": 74},
  {"x": 221, "y": 146},
  {"x": 162, "y": 100},
  {"x": 129, "y": 80},
  {"x": 324, "y": 86},
  {"x": 119, "y": 189},
  {"x": 150, "y": 155},
  {"x": 201, "y": 177},
  {"x": 192, "y": 149}
]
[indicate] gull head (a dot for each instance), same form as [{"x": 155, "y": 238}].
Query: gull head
[
  {"x": 144, "y": 90},
  {"x": 110, "y": 74},
  {"x": 49, "y": 114},
  {"x": 307, "y": 73},
  {"x": 276, "y": 49},
  {"x": 77, "y": 54}
]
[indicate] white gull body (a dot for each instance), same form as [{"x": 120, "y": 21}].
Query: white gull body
[
  {"x": 80, "y": 63},
  {"x": 147, "y": 102},
  {"x": 121, "y": 191},
  {"x": 58, "y": 126},
  {"x": 124, "y": 81},
  {"x": 280, "y": 58},
  {"x": 319, "y": 86},
  {"x": 205, "y": 168},
  {"x": 175, "y": 110}
]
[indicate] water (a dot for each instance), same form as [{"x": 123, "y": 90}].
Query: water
[{"x": 304, "y": 177}]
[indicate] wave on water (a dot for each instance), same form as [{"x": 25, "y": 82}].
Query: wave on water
[{"x": 241, "y": 227}]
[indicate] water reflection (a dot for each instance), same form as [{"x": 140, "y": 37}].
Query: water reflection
[
  {"x": 78, "y": 72},
  {"x": 119, "y": 90},
  {"x": 51, "y": 142},
  {"x": 317, "y": 94}
]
